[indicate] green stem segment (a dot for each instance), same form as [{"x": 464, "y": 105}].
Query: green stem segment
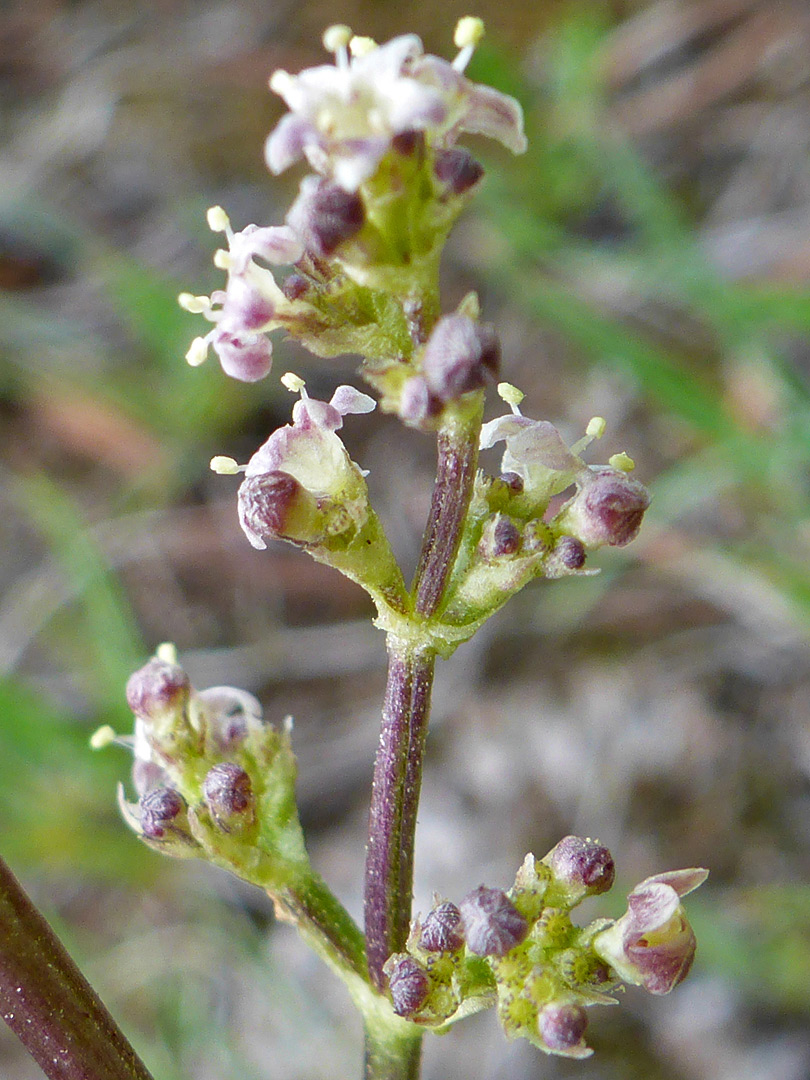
[{"x": 49, "y": 1004}]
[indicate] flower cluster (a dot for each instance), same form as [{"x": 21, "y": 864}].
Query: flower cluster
[
  {"x": 359, "y": 249},
  {"x": 521, "y": 951},
  {"x": 345, "y": 117},
  {"x": 212, "y": 778}
]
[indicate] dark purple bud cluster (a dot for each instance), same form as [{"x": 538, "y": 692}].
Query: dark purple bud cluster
[
  {"x": 408, "y": 983},
  {"x": 457, "y": 169},
  {"x": 607, "y": 509},
  {"x": 441, "y": 929},
  {"x": 459, "y": 356},
  {"x": 492, "y": 924},
  {"x": 324, "y": 216},
  {"x": 562, "y": 1027},
  {"x": 274, "y": 505},
  {"x": 228, "y": 794},
  {"x": 580, "y": 868},
  {"x": 158, "y": 688},
  {"x": 500, "y": 537},
  {"x": 162, "y": 811}
]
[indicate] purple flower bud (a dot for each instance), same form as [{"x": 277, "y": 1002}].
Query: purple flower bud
[
  {"x": 500, "y": 537},
  {"x": 158, "y": 689},
  {"x": 607, "y": 508},
  {"x": 458, "y": 169},
  {"x": 274, "y": 505},
  {"x": 416, "y": 403},
  {"x": 161, "y": 810},
  {"x": 460, "y": 353},
  {"x": 513, "y": 481},
  {"x": 562, "y": 1026},
  {"x": 440, "y": 931},
  {"x": 408, "y": 983},
  {"x": 581, "y": 867},
  {"x": 492, "y": 924},
  {"x": 325, "y": 215},
  {"x": 570, "y": 552},
  {"x": 295, "y": 286},
  {"x": 228, "y": 794},
  {"x": 407, "y": 143}
]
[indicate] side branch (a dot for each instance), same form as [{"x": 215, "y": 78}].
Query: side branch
[
  {"x": 455, "y": 475},
  {"x": 49, "y": 1004}
]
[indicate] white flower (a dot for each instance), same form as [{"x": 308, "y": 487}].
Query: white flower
[{"x": 343, "y": 117}]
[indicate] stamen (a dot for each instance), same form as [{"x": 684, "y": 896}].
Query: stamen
[
  {"x": 197, "y": 352},
  {"x": 218, "y": 220},
  {"x": 362, "y": 46},
  {"x": 336, "y": 40},
  {"x": 103, "y": 736},
  {"x": 469, "y": 32},
  {"x": 511, "y": 395},
  {"x": 167, "y": 652},
  {"x": 223, "y": 260},
  {"x": 622, "y": 461},
  {"x": 294, "y": 383},
  {"x": 195, "y": 304},
  {"x": 594, "y": 430},
  {"x": 225, "y": 466},
  {"x": 596, "y": 427}
]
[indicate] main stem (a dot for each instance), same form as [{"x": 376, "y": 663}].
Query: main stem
[
  {"x": 49, "y": 1004},
  {"x": 398, "y": 766}
]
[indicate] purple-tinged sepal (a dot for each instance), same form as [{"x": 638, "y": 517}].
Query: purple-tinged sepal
[{"x": 652, "y": 944}]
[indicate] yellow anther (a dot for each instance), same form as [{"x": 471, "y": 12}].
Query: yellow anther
[
  {"x": 336, "y": 37},
  {"x": 217, "y": 219},
  {"x": 104, "y": 736},
  {"x": 195, "y": 304},
  {"x": 280, "y": 81},
  {"x": 362, "y": 46},
  {"x": 223, "y": 260},
  {"x": 596, "y": 427},
  {"x": 223, "y": 465},
  {"x": 197, "y": 352},
  {"x": 622, "y": 461},
  {"x": 294, "y": 383},
  {"x": 510, "y": 394},
  {"x": 469, "y": 32},
  {"x": 167, "y": 652}
]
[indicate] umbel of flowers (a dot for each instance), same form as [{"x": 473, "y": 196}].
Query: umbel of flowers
[{"x": 354, "y": 268}]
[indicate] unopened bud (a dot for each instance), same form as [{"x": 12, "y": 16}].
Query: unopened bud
[
  {"x": 408, "y": 143},
  {"x": 579, "y": 868},
  {"x": 567, "y": 557},
  {"x": 408, "y": 983},
  {"x": 440, "y": 931},
  {"x": 460, "y": 353},
  {"x": 295, "y": 286},
  {"x": 492, "y": 924},
  {"x": 228, "y": 794},
  {"x": 324, "y": 215},
  {"x": 274, "y": 505},
  {"x": 562, "y": 1026},
  {"x": 157, "y": 690},
  {"x": 162, "y": 811},
  {"x": 607, "y": 509},
  {"x": 457, "y": 169},
  {"x": 500, "y": 537},
  {"x": 514, "y": 481}
]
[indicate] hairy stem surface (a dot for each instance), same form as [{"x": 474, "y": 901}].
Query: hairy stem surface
[
  {"x": 394, "y": 798},
  {"x": 49, "y": 1004}
]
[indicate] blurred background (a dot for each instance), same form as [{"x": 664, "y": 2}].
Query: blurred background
[{"x": 648, "y": 260}]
